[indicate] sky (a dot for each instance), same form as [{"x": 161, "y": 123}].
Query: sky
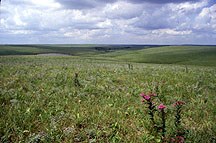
[{"x": 108, "y": 22}]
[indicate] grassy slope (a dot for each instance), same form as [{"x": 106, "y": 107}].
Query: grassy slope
[
  {"x": 40, "y": 103},
  {"x": 194, "y": 55},
  {"x": 189, "y": 55},
  {"x": 39, "y": 49},
  {"x": 71, "y": 49},
  {"x": 21, "y": 50}
]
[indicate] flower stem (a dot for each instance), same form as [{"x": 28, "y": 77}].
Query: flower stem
[
  {"x": 163, "y": 123},
  {"x": 151, "y": 113}
]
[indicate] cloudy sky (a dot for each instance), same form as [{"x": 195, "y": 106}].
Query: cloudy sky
[{"x": 108, "y": 21}]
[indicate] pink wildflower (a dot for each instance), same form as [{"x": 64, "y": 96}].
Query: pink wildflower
[
  {"x": 142, "y": 94},
  {"x": 161, "y": 107},
  {"x": 147, "y": 97}
]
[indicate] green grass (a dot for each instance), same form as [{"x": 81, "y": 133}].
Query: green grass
[
  {"x": 186, "y": 55},
  {"x": 39, "y": 101},
  {"x": 40, "y": 49},
  {"x": 21, "y": 50},
  {"x": 182, "y": 55},
  {"x": 70, "y": 49}
]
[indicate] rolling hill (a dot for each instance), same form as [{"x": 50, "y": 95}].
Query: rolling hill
[
  {"x": 184, "y": 55},
  {"x": 189, "y": 55}
]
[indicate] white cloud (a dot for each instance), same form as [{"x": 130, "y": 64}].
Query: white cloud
[
  {"x": 105, "y": 24},
  {"x": 188, "y": 7},
  {"x": 121, "y": 21},
  {"x": 122, "y": 9},
  {"x": 171, "y": 32},
  {"x": 46, "y": 4},
  {"x": 206, "y": 19}
]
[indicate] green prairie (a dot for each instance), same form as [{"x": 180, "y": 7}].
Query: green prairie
[
  {"x": 41, "y": 103},
  {"x": 156, "y": 54},
  {"x": 70, "y": 49},
  {"x": 183, "y": 55}
]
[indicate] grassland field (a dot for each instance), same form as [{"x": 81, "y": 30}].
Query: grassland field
[
  {"x": 156, "y": 54},
  {"x": 40, "y": 101}
]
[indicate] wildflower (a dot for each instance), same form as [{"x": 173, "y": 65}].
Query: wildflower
[
  {"x": 161, "y": 107},
  {"x": 147, "y": 97},
  {"x": 142, "y": 94}
]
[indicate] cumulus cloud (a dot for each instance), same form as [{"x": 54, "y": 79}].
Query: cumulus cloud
[
  {"x": 108, "y": 21},
  {"x": 122, "y": 9},
  {"x": 162, "y": 1},
  {"x": 206, "y": 19},
  {"x": 83, "y": 4}
]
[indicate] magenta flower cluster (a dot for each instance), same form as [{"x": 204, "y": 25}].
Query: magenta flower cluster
[
  {"x": 148, "y": 99},
  {"x": 161, "y": 107}
]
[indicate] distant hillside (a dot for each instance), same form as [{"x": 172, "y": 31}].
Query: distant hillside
[
  {"x": 41, "y": 49},
  {"x": 70, "y": 49},
  {"x": 186, "y": 55},
  {"x": 191, "y": 55}
]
